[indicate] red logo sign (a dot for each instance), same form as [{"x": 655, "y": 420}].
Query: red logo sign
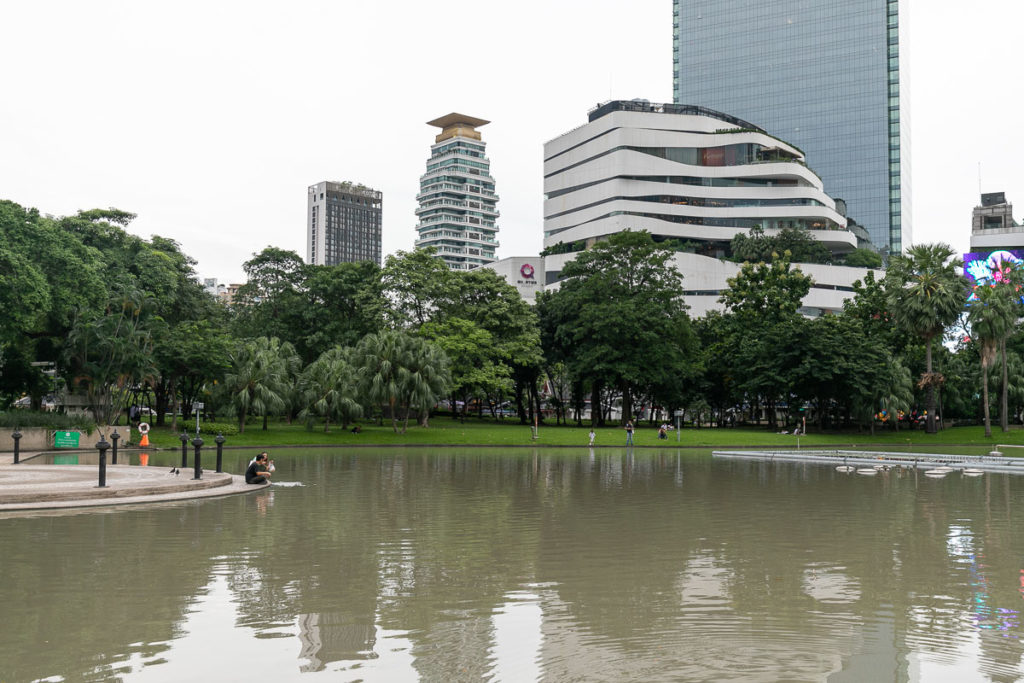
[{"x": 526, "y": 271}]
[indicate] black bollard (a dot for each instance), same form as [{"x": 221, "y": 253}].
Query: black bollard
[
  {"x": 184, "y": 450},
  {"x": 220, "y": 452},
  {"x": 103, "y": 446},
  {"x": 17, "y": 447},
  {"x": 113, "y": 451},
  {"x": 198, "y": 443}
]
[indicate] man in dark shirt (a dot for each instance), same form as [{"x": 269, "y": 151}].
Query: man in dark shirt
[{"x": 258, "y": 472}]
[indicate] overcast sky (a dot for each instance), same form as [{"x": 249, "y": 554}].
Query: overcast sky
[{"x": 210, "y": 119}]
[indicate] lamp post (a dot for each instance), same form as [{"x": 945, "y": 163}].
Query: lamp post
[
  {"x": 198, "y": 444},
  {"x": 184, "y": 449},
  {"x": 102, "y": 446},
  {"x": 17, "y": 446},
  {"x": 113, "y": 451},
  {"x": 220, "y": 451}
]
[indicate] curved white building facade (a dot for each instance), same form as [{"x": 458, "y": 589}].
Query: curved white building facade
[{"x": 693, "y": 175}]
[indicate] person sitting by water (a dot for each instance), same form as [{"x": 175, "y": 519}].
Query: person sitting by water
[{"x": 258, "y": 471}]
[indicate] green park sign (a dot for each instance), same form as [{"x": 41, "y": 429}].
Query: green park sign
[{"x": 66, "y": 439}]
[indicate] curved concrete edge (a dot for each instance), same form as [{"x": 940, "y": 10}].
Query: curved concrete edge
[{"x": 237, "y": 486}]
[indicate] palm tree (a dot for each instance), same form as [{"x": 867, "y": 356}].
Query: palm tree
[
  {"x": 378, "y": 362},
  {"x": 400, "y": 372},
  {"x": 898, "y": 392},
  {"x": 426, "y": 378},
  {"x": 926, "y": 294},
  {"x": 328, "y": 388},
  {"x": 259, "y": 379},
  {"x": 992, "y": 318}
]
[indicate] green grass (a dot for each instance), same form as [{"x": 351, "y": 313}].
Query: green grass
[{"x": 446, "y": 431}]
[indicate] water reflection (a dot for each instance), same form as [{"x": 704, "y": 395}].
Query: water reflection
[{"x": 532, "y": 565}]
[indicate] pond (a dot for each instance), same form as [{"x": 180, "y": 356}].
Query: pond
[{"x": 520, "y": 565}]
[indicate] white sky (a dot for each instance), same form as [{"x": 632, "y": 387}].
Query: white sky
[{"x": 210, "y": 119}]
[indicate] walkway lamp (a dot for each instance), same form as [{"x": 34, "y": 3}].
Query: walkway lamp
[
  {"x": 220, "y": 451},
  {"x": 198, "y": 470},
  {"x": 17, "y": 446},
  {"x": 113, "y": 451},
  {"x": 184, "y": 449},
  {"x": 102, "y": 446}
]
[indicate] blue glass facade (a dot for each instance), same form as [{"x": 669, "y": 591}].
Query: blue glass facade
[{"x": 821, "y": 74}]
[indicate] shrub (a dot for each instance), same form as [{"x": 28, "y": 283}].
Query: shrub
[{"x": 211, "y": 429}]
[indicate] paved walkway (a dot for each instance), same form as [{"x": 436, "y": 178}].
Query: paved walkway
[{"x": 37, "y": 487}]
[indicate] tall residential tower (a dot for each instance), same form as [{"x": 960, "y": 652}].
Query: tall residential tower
[
  {"x": 342, "y": 223},
  {"x": 457, "y": 201},
  {"x": 822, "y": 74}
]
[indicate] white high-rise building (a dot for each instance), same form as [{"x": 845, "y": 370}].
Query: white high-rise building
[
  {"x": 457, "y": 211},
  {"x": 696, "y": 177}
]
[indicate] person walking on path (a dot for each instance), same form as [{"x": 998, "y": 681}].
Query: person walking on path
[
  {"x": 592, "y": 436},
  {"x": 629, "y": 432}
]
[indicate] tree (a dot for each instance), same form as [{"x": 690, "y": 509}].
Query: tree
[
  {"x": 259, "y": 378},
  {"x": 992, "y": 318},
  {"x": 926, "y": 294},
  {"x": 400, "y": 373},
  {"x": 484, "y": 299},
  {"x": 618, "y": 319},
  {"x": 790, "y": 243},
  {"x": 341, "y": 305},
  {"x": 476, "y": 361},
  {"x": 270, "y": 302},
  {"x": 763, "y": 329},
  {"x": 863, "y": 258},
  {"x": 415, "y": 283},
  {"x": 108, "y": 353},
  {"x": 328, "y": 387}
]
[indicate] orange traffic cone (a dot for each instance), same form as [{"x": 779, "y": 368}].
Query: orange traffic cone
[{"x": 144, "y": 442}]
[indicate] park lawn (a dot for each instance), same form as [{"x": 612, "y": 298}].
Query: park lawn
[{"x": 445, "y": 431}]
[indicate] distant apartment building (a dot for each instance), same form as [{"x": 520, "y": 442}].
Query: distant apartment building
[
  {"x": 457, "y": 214},
  {"x": 694, "y": 178},
  {"x": 343, "y": 223}
]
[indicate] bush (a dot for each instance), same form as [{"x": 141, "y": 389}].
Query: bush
[
  {"x": 57, "y": 421},
  {"x": 214, "y": 428}
]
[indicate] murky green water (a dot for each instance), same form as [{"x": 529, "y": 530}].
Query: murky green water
[{"x": 561, "y": 565}]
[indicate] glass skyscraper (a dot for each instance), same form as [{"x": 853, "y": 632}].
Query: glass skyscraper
[{"x": 821, "y": 74}]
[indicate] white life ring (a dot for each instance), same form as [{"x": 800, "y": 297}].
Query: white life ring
[{"x": 143, "y": 428}]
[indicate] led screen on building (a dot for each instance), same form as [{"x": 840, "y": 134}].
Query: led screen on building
[{"x": 990, "y": 268}]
